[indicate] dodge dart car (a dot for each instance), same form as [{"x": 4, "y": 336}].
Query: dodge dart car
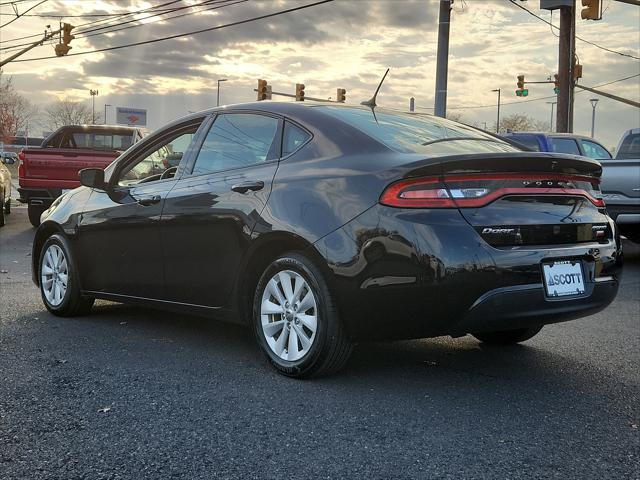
[{"x": 323, "y": 225}]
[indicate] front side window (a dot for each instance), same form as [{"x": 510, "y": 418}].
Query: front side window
[
  {"x": 565, "y": 145},
  {"x": 595, "y": 150},
  {"x": 151, "y": 165},
  {"x": 237, "y": 140}
]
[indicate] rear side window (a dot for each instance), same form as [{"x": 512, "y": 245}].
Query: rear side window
[
  {"x": 293, "y": 138},
  {"x": 630, "y": 147},
  {"x": 238, "y": 140},
  {"x": 594, "y": 150},
  {"x": 565, "y": 145},
  {"x": 528, "y": 141}
]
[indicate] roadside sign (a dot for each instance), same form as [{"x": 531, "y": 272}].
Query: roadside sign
[{"x": 131, "y": 116}]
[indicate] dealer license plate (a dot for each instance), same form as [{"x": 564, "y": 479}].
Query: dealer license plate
[{"x": 563, "y": 278}]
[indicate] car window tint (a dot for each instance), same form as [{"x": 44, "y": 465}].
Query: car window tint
[
  {"x": 630, "y": 147},
  {"x": 528, "y": 141},
  {"x": 412, "y": 132},
  {"x": 293, "y": 138},
  {"x": 565, "y": 145},
  {"x": 237, "y": 140},
  {"x": 594, "y": 150}
]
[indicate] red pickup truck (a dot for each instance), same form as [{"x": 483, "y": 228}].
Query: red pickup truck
[{"x": 45, "y": 173}]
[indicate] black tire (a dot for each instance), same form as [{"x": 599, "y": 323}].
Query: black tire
[
  {"x": 73, "y": 303},
  {"x": 2, "y": 220},
  {"x": 507, "y": 337},
  {"x": 34, "y": 212},
  {"x": 631, "y": 231},
  {"x": 330, "y": 348},
  {"x": 7, "y": 207}
]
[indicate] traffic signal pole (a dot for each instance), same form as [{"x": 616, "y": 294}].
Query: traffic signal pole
[
  {"x": 46, "y": 37},
  {"x": 566, "y": 58},
  {"x": 442, "y": 65}
]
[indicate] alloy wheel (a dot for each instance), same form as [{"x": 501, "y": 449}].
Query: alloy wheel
[
  {"x": 289, "y": 315},
  {"x": 54, "y": 275}
]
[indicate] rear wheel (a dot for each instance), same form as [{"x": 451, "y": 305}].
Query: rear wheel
[
  {"x": 7, "y": 207},
  {"x": 2, "y": 210},
  {"x": 296, "y": 321},
  {"x": 34, "y": 212},
  {"x": 507, "y": 337},
  {"x": 58, "y": 278}
]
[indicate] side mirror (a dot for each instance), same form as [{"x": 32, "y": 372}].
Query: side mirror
[
  {"x": 8, "y": 160},
  {"x": 92, "y": 177}
]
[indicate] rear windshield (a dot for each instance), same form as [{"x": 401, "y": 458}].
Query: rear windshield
[
  {"x": 528, "y": 141},
  {"x": 630, "y": 147},
  {"x": 418, "y": 133},
  {"x": 97, "y": 140}
]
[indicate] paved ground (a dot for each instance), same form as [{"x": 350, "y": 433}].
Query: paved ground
[{"x": 128, "y": 393}]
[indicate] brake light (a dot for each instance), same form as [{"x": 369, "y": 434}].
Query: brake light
[
  {"x": 472, "y": 191},
  {"x": 21, "y": 158}
]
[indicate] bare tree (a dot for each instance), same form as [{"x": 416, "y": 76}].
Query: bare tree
[
  {"x": 16, "y": 112},
  {"x": 520, "y": 122},
  {"x": 455, "y": 116},
  {"x": 67, "y": 112}
]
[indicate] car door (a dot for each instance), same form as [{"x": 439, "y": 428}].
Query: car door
[
  {"x": 209, "y": 215},
  {"x": 119, "y": 227},
  {"x": 594, "y": 150}
]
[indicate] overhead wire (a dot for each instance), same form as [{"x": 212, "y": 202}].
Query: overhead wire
[{"x": 21, "y": 14}]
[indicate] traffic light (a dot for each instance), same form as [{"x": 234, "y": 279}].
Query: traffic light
[
  {"x": 341, "y": 95},
  {"x": 64, "y": 47},
  {"x": 299, "y": 92},
  {"x": 262, "y": 89},
  {"x": 591, "y": 10},
  {"x": 521, "y": 91},
  {"x": 556, "y": 83}
]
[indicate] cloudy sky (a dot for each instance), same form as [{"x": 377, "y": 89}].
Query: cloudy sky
[{"x": 345, "y": 43}]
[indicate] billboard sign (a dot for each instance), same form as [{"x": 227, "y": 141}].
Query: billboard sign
[{"x": 131, "y": 116}]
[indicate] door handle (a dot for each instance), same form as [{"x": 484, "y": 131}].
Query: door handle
[
  {"x": 145, "y": 202},
  {"x": 244, "y": 187}
]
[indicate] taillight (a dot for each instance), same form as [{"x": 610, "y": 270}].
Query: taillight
[
  {"x": 472, "y": 191},
  {"x": 21, "y": 158}
]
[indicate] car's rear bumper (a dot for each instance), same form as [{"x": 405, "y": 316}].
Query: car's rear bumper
[
  {"x": 412, "y": 274},
  {"x": 38, "y": 196}
]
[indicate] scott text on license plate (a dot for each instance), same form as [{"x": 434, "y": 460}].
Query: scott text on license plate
[{"x": 563, "y": 278}]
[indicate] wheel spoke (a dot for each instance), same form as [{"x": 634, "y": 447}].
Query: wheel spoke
[
  {"x": 285, "y": 281},
  {"x": 63, "y": 279},
  {"x": 272, "y": 328},
  {"x": 63, "y": 265},
  {"x": 306, "y": 341},
  {"x": 46, "y": 270},
  {"x": 48, "y": 258},
  {"x": 297, "y": 288},
  {"x": 272, "y": 288},
  {"x": 309, "y": 321},
  {"x": 292, "y": 348},
  {"x": 307, "y": 302},
  {"x": 281, "y": 342},
  {"x": 270, "y": 308}
]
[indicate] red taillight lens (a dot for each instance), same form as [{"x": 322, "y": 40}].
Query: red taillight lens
[{"x": 472, "y": 191}]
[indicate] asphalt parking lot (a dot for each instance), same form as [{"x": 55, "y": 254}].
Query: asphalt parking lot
[{"x": 128, "y": 393}]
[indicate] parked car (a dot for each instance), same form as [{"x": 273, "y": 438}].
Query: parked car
[
  {"x": 322, "y": 225},
  {"x": 620, "y": 176},
  {"x": 621, "y": 185},
  {"x": 560, "y": 143},
  {"x": 48, "y": 171},
  {"x": 6, "y": 158}
]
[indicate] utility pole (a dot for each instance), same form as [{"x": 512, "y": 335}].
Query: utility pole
[
  {"x": 412, "y": 104},
  {"x": 594, "y": 102},
  {"x": 93, "y": 94},
  {"x": 443, "y": 58},
  {"x": 566, "y": 60},
  {"x": 218, "y": 92},
  {"x": 498, "y": 120}
]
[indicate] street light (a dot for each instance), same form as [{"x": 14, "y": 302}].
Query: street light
[
  {"x": 218, "y": 98},
  {"x": 105, "y": 112},
  {"x": 551, "y": 121},
  {"x": 594, "y": 102},
  {"x": 498, "y": 121},
  {"x": 93, "y": 94}
]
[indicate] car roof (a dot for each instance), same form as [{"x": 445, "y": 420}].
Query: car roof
[{"x": 553, "y": 134}]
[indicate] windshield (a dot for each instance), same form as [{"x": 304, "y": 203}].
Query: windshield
[
  {"x": 418, "y": 133},
  {"x": 630, "y": 147}
]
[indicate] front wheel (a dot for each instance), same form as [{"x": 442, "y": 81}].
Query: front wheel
[
  {"x": 58, "y": 278},
  {"x": 507, "y": 337},
  {"x": 296, "y": 321}
]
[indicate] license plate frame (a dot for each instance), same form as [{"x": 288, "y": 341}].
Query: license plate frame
[{"x": 563, "y": 278}]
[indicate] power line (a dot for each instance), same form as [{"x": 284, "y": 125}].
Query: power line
[
  {"x": 15, "y": 1},
  {"x": 195, "y": 32},
  {"x": 18, "y": 16},
  {"x": 225, "y": 3},
  {"x": 493, "y": 105},
  {"x": 577, "y": 37},
  {"x": 72, "y": 15}
]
